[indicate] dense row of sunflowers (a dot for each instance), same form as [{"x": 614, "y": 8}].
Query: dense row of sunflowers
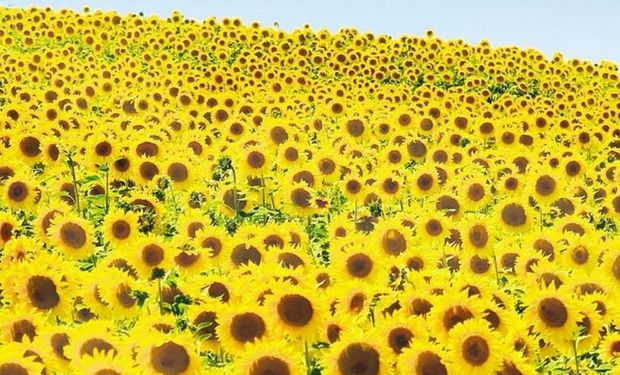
[{"x": 183, "y": 197}]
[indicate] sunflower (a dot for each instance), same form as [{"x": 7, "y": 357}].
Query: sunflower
[
  {"x": 118, "y": 293},
  {"x": 609, "y": 347},
  {"x": 120, "y": 228},
  {"x": 422, "y": 359},
  {"x": 424, "y": 180},
  {"x": 474, "y": 348},
  {"x": 252, "y": 161},
  {"x": 451, "y": 309},
  {"x": 159, "y": 353},
  {"x": 263, "y": 357},
  {"x": 359, "y": 264},
  {"x": 515, "y": 363},
  {"x": 43, "y": 286},
  {"x": 400, "y": 332},
  {"x": 102, "y": 362},
  {"x": 355, "y": 351},
  {"x": 147, "y": 253},
  {"x": 20, "y": 192},
  {"x": 477, "y": 234},
  {"x": 296, "y": 311},
  {"x": 515, "y": 215},
  {"x": 553, "y": 313},
  {"x": 241, "y": 325},
  {"x": 93, "y": 336},
  {"x": 13, "y": 360},
  {"x": 545, "y": 187},
  {"x": 580, "y": 252},
  {"x": 301, "y": 200},
  {"x": 431, "y": 227},
  {"x": 72, "y": 235},
  {"x": 203, "y": 318}
]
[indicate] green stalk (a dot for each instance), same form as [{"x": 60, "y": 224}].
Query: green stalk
[{"x": 76, "y": 190}]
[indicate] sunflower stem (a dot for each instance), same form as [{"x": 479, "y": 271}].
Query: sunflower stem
[
  {"x": 541, "y": 218},
  {"x": 159, "y": 298},
  {"x": 355, "y": 214},
  {"x": 264, "y": 188},
  {"x": 307, "y": 358},
  {"x": 76, "y": 189},
  {"x": 107, "y": 190},
  {"x": 235, "y": 199},
  {"x": 576, "y": 357},
  {"x": 496, "y": 269},
  {"x": 174, "y": 201}
]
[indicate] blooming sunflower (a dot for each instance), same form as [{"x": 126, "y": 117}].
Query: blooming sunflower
[
  {"x": 72, "y": 235},
  {"x": 474, "y": 348}
]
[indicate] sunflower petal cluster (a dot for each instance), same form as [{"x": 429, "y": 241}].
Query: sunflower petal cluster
[{"x": 182, "y": 196}]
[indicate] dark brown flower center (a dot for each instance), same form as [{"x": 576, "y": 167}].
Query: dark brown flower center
[
  {"x": 178, "y": 172},
  {"x": 455, "y": 315},
  {"x": 359, "y": 359},
  {"x": 394, "y": 242},
  {"x": 207, "y": 320},
  {"x": 434, "y": 227},
  {"x": 256, "y": 159},
  {"x": 30, "y": 146},
  {"x": 42, "y": 292},
  {"x": 121, "y": 229},
  {"x": 22, "y": 328},
  {"x": 430, "y": 363},
  {"x": 425, "y": 182},
  {"x": 212, "y": 243},
  {"x": 301, "y": 197},
  {"x": 243, "y": 255},
  {"x": 475, "y": 350},
  {"x": 169, "y": 358},
  {"x": 18, "y": 191},
  {"x": 89, "y": 347},
  {"x": 103, "y": 149},
  {"x": 123, "y": 294},
  {"x": 58, "y": 342},
  {"x": 327, "y": 166},
  {"x": 513, "y": 215},
  {"x": 475, "y": 192},
  {"x": 399, "y": 338},
  {"x": 269, "y": 366},
  {"x": 148, "y": 170},
  {"x": 552, "y": 312},
  {"x": 420, "y": 307},
  {"x": 278, "y": 135},
  {"x": 247, "y": 327},
  {"x": 448, "y": 205},
  {"x": 152, "y": 255},
  {"x": 219, "y": 290},
  {"x": 355, "y": 127},
  {"x": 580, "y": 255},
  {"x": 359, "y": 265},
  {"x": 353, "y": 186},
  {"x": 478, "y": 236},
  {"x": 295, "y": 310},
  {"x": 545, "y": 185},
  {"x": 12, "y": 369}
]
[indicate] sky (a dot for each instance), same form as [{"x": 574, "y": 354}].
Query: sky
[{"x": 584, "y": 29}]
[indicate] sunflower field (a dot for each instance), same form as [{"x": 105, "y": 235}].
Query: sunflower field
[{"x": 210, "y": 197}]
